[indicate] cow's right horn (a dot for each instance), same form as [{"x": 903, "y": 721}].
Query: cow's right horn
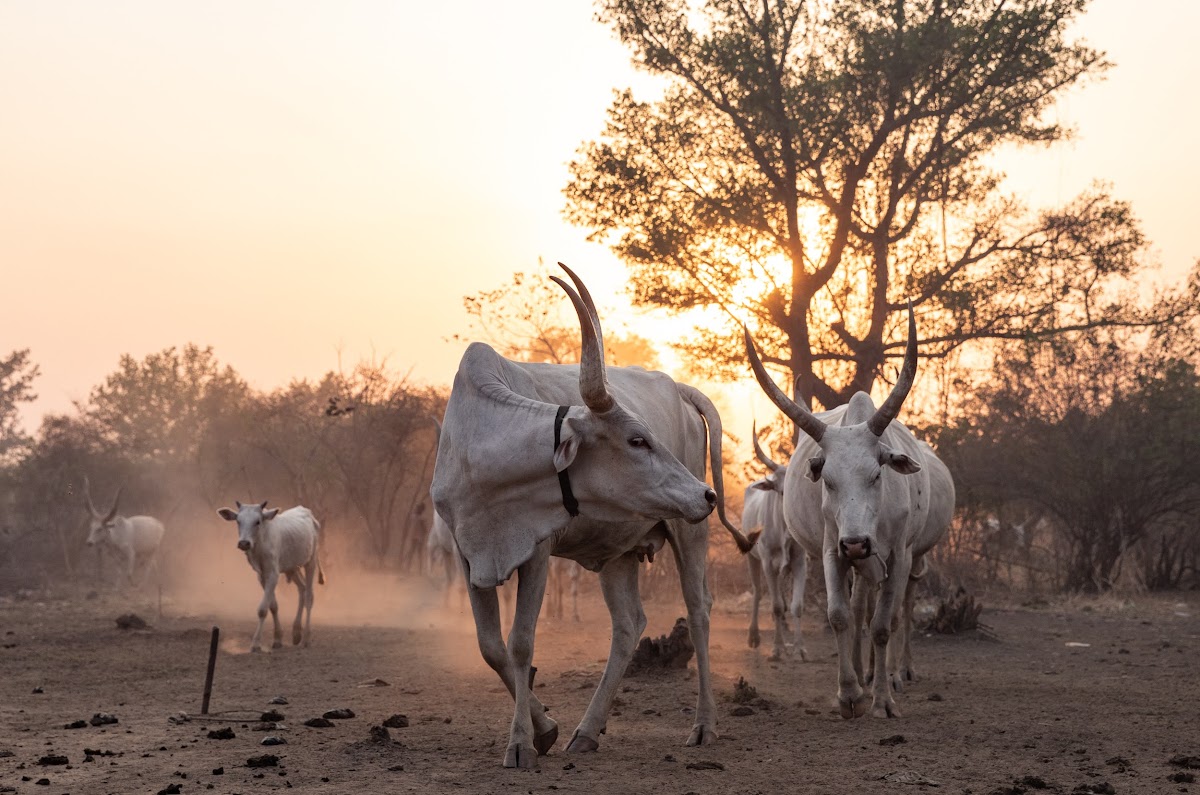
[
  {"x": 112, "y": 512},
  {"x": 87, "y": 494},
  {"x": 803, "y": 418},
  {"x": 761, "y": 453},
  {"x": 592, "y": 384}
]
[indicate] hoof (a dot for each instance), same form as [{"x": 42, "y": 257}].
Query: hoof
[
  {"x": 776, "y": 656},
  {"x": 546, "y": 740},
  {"x": 581, "y": 745},
  {"x": 897, "y": 683},
  {"x": 854, "y": 708},
  {"x": 521, "y": 757},
  {"x": 296, "y": 637},
  {"x": 702, "y": 735},
  {"x": 256, "y": 649},
  {"x": 885, "y": 710},
  {"x": 908, "y": 675},
  {"x": 277, "y": 644},
  {"x": 754, "y": 639},
  {"x": 803, "y": 652}
]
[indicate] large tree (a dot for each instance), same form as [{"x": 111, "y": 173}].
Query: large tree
[
  {"x": 811, "y": 166},
  {"x": 17, "y": 374}
]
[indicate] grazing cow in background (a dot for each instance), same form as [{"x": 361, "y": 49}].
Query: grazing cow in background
[
  {"x": 280, "y": 543},
  {"x": 563, "y": 574},
  {"x": 134, "y": 539},
  {"x": 597, "y": 466},
  {"x": 776, "y": 558},
  {"x": 859, "y": 476}
]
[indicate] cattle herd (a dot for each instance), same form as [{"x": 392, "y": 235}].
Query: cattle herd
[{"x": 542, "y": 464}]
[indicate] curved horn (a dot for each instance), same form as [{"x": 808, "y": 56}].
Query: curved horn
[
  {"x": 263, "y": 505},
  {"x": 803, "y": 418},
  {"x": 87, "y": 493},
  {"x": 891, "y": 407},
  {"x": 587, "y": 301},
  {"x": 592, "y": 385},
  {"x": 116, "y": 501},
  {"x": 761, "y": 453},
  {"x": 438, "y": 424}
]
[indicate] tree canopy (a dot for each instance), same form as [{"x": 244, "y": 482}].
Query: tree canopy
[{"x": 811, "y": 166}]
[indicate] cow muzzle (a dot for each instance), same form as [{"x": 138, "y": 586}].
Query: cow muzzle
[
  {"x": 855, "y": 547},
  {"x": 244, "y": 545}
]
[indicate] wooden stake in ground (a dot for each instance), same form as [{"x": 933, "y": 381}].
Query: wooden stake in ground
[{"x": 212, "y": 665}]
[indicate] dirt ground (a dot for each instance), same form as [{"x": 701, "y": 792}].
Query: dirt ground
[{"x": 1027, "y": 712}]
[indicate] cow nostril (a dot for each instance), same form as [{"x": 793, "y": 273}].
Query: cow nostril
[
  {"x": 711, "y": 496},
  {"x": 243, "y": 545}
]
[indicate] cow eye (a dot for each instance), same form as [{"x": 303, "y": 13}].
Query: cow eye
[{"x": 638, "y": 441}]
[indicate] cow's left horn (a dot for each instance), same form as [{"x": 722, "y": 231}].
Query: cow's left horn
[
  {"x": 891, "y": 407},
  {"x": 592, "y": 384},
  {"x": 761, "y": 453},
  {"x": 587, "y": 301}
]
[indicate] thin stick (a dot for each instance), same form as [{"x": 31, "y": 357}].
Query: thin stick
[{"x": 212, "y": 666}]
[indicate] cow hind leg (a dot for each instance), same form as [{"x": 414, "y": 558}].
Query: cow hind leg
[
  {"x": 619, "y": 584},
  {"x": 774, "y": 591},
  {"x": 799, "y": 566},
  {"x": 302, "y": 599},
  {"x": 308, "y": 605},
  {"x": 884, "y": 624},
  {"x": 756, "y": 587}
]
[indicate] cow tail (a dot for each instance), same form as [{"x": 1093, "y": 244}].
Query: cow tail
[
  {"x": 713, "y": 419},
  {"x": 320, "y": 569}
]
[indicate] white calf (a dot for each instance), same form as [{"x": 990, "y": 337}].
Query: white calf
[{"x": 280, "y": 543}]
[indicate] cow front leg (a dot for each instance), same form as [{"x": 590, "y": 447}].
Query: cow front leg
[
  {"x": 619, "y": 584},
  {"x": 302, "y": 598},
  {"x": 774, "y": 577},
  {"x": 308, "y": 604},
  {"x": 861, "y": 608},
  {"x": 851, "y": 702},
  {"x": 883, "y": 623},
  {"x": 756, "y": 586},
  {"x": 485, "y": 607},
  {"x": 690, "y": 545},
  {"x": 799, "y": 566},
  {"x": 525, "y": 742},
  {"x": 267, "y": 603}
]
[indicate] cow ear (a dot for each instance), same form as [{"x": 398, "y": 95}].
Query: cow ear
[
  {"x": 898, "y": 461},
  {"x": 271, "y": 513},
  {"x": 227, "y": 515},
  {"x": 568, "y": 445},
  {"x": 763, "y": 485},
  {"x": 815, "y": 465}
]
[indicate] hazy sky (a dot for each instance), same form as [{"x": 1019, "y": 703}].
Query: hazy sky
[{"x": 284, "y": 180}]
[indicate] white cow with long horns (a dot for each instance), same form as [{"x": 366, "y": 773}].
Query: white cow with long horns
[
  {"x": 598, "y": 465},
  {"x": 857, "y": 478},
  {"x": 280, "y": 542},
  {"x": 777, "y": 561},
  {"x": 134, "y": 539}
]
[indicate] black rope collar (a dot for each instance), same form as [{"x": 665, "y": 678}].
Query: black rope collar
[{"x": 564, "y": 480}]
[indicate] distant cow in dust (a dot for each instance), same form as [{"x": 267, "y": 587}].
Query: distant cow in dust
[
  {"x": 133, "y": 539},
  {"x": 280, "y": 543}
]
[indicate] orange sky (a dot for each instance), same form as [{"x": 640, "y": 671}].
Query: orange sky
[{"x": 284, "y": 180}]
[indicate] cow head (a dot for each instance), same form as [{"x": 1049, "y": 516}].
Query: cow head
[
  {"x": 101, "y": 525},
  {"x": 249, "y": 520},
  {"x": 774, "y": 479},
  {"x": 851, "y": 459},
  {"x": 618, "y": 470}
]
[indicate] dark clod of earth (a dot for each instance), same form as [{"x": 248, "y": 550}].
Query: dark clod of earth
[
  {"x": 1182, "y": 760},
  {"x": 1182, "y": 778},
  {"x": 667, "y": 652},
  {"x": 273, "y": 740},
  {"x": 131, "y": 621},
  {"x": 37, "y": 690},
  {"x": 705, "y": 766},
  {"x": 271, "y": 715},
  {"x": 318, "y": 723},
  {"x": 266, "y": 760},
  {"x": 171, "y": 789},
  {"x": 380, "y": 734},
  {"x": 741, "y": 712},
  {"x": 744, "y": 692},
  {"x": 1103, "y": 788},
  {"x": 339, "y": 714},
  {"x": 1033, "y": 782},
  {"x": 396, "y": 721},
  {"x": 218, "y": 771},
  {"x": 53, "y": 759},
  {"x": 76, "y": 724},
  {"x": 103, "y": 719},
  {"x": 221, "y": 734},
  {"x": 895, "y": 739}
]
